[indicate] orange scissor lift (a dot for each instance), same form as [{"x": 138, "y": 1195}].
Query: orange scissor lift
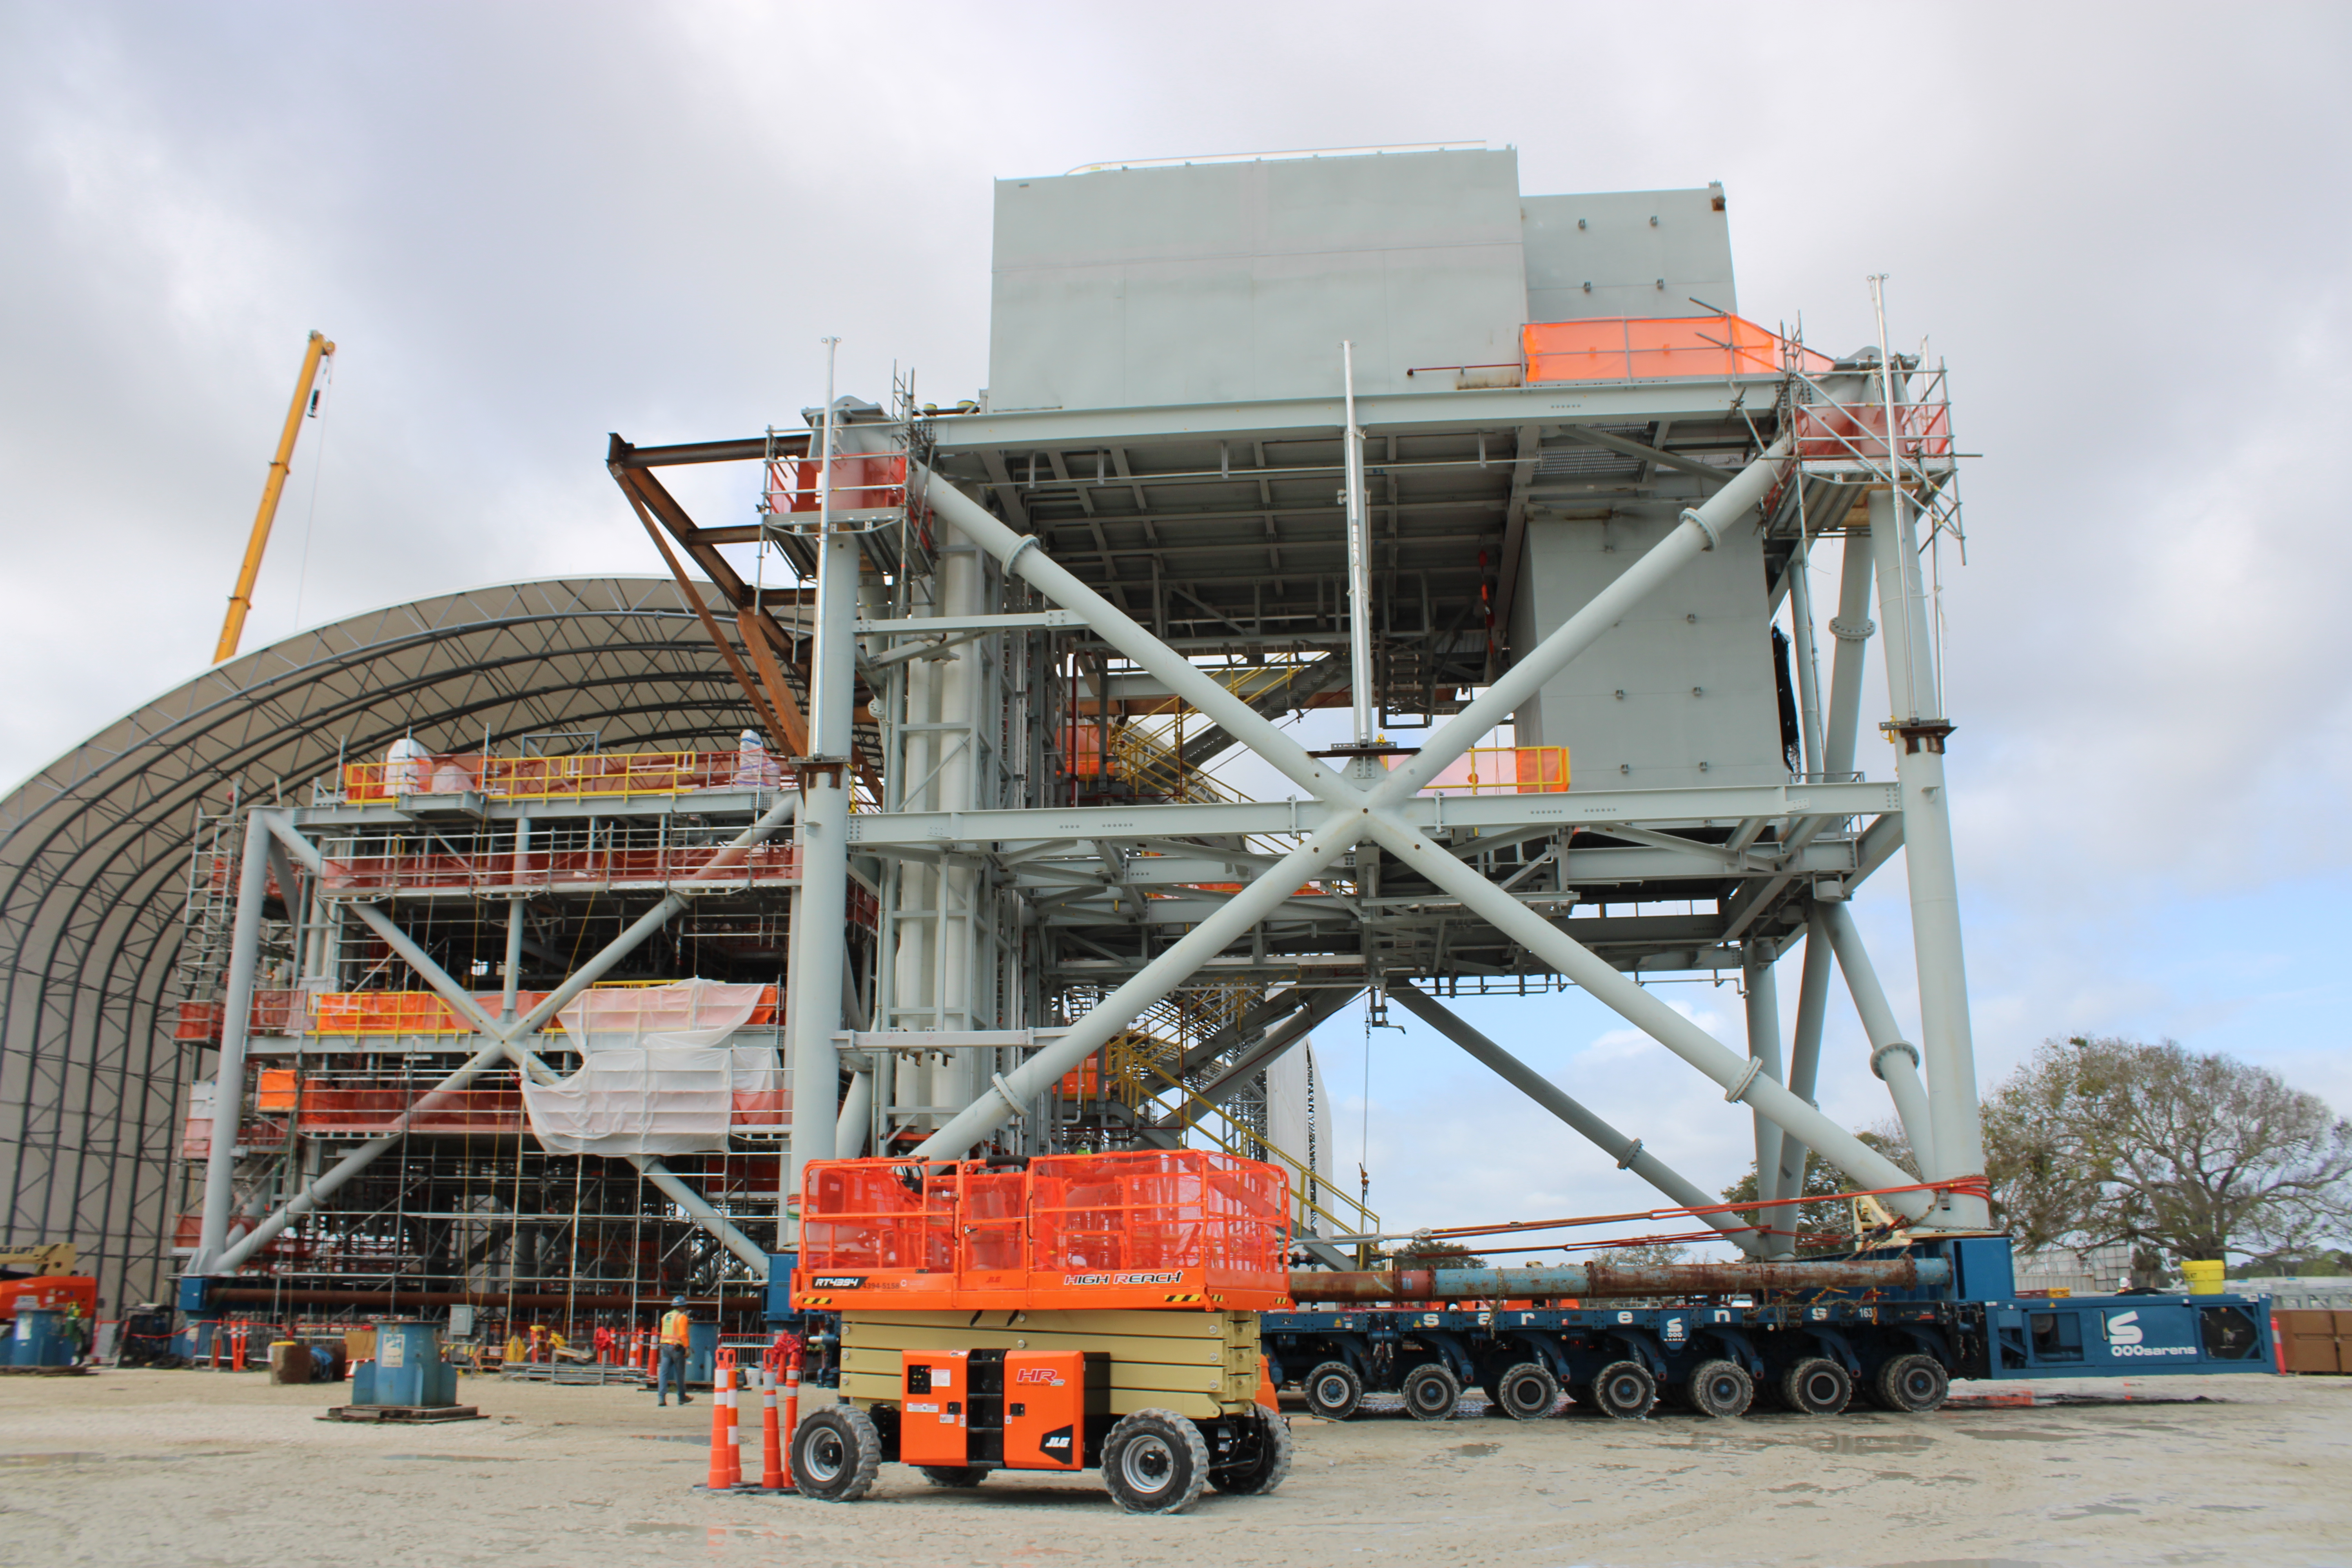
[{"x": 1064, "y": 1312}]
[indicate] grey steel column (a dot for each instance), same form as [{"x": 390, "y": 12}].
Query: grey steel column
[
  {"x": 229, "y": 1079},
  {"x": 1627, "y": 1151},
  {"x": 1804, "y": 1061},
  {"x": 1360, "y": 562},
  {"x": 1764, "y": 1049},
  {"x": 814, "y": 987},
  {"x": 1851, "y": 626},
  {"x": 1927, "y": 861},
  {"x": 1808, "y": 672},
  {"x": 856, "y": 1110}
]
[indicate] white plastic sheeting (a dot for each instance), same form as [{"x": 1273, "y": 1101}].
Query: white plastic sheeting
[
  {"x": 1299, "y": 1122},
  {"x": 658, "y": 1076}
]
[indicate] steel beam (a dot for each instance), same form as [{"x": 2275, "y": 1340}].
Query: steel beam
[
  {"x": 1805, "y": 1062},
  {"x": 1763, "y": 999},
  {"x": 1944, "y": 1026},
  {"x": 237, "y": 1022},
  {"x": 1581, "y": 808},
  {"x": 1850, "y": 628}
]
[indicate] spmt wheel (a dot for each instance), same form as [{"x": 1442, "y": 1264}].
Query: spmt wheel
[
  {"x": 1914, "y": 1384},
  {"x": 1333, "y": 1390},
  {"x": 1154, "y": 1461},
  {"x": 835, "y": 1453},
  {"x": 1269, "y": 1455},
  {"x": 1527, "y": 1391},
  {"x": 954, "y": 1475},
  {"x": 1625, "y": 1390},
  {"x": 1431, "y": 1392},
  {"x": 1816, "y": 1386},
  {"x": 1720, "y": 1388}
]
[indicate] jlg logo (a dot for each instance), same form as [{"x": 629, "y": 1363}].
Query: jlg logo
[{"x": 1045, "y": 1374}]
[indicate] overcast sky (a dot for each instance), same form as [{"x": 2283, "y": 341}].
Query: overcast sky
[{"x": 528, "y": 225}]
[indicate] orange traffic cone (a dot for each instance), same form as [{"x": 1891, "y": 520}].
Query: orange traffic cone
[
  {"x": 722, "y": 1427},
  {"x": 792, "y": 1405},
  {"x": 734, "y": 1424},
  {"x": 771, "y": 1436},
  {"x": 1265, "y": 1393}
]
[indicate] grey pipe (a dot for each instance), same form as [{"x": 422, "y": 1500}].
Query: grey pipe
[{"x": 236, "y": 1022}]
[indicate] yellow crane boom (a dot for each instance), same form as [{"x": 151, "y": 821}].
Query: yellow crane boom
[{"x": 239, "y": 602}]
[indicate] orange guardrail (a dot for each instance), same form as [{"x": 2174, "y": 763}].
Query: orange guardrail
[
  {"x": 1657, "y": 348},
  {"x": 771, "y": 863},
  {"x": 1500, "y": 770},
  {"x": 596, "y": 774},
  {"x": 1181, "y": 1228}
]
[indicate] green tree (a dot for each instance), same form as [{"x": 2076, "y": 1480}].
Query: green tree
[{"x": 2097, "y": 1140}]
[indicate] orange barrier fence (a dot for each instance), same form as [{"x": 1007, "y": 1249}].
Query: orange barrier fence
[
  {"x": 599, "y": 773},
  {"x": 1657, "y": 348}
]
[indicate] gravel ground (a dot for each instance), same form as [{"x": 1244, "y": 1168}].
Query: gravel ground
[{"x": 189, "y": 1469}]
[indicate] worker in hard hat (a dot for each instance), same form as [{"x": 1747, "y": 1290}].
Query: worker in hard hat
[{"x": 676, "y": 1328}]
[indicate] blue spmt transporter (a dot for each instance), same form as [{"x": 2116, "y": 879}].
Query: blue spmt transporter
[{"x": 1803, "y": 1335}]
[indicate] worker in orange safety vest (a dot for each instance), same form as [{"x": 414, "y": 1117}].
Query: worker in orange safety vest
[{"x": 674, "y": 1330}]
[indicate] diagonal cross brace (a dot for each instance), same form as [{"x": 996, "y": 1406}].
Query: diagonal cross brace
[{"x": 1356, "y": 812}]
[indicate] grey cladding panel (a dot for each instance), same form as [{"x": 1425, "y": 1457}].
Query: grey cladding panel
[
  {"x": 1706, "y": 631},
  {"x": 1624, "y": 256},
  {"x": 1134, "y": 286}
]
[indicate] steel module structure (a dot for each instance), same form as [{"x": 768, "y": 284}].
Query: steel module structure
[{"x": 938, "y": 777}]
